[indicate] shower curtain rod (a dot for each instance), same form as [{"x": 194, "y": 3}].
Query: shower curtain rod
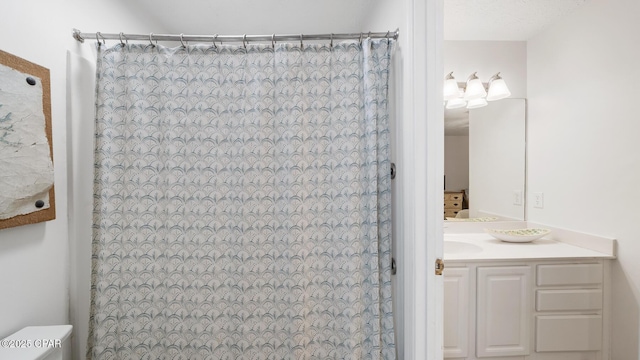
[{"x": 151, "y": 37}]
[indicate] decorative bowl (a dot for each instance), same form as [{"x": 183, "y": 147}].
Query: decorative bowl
[{"x": 518, "y": 235}]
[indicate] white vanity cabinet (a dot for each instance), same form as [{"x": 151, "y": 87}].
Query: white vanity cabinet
[{"x": 528, "y": 310}]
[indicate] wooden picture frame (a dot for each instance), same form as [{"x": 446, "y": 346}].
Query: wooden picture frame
[{"x": 27, "y": 67}]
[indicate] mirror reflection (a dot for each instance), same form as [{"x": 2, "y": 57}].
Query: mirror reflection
[{"x": 485, "y": 162}]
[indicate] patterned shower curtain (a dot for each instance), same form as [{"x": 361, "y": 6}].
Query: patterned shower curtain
[{"x": 242, "y": 203}]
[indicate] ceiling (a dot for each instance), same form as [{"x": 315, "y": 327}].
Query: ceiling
[{"x": 502, "y": 20}]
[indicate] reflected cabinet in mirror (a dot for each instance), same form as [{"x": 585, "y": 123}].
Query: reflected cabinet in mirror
[{"x": 485, "y": 161}]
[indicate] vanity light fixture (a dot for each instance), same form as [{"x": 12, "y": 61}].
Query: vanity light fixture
[
  {"x": 497, "y": 88},
  {"x": 450, "y": 87},
  {"x": 474, "y": 93},
  {"x": 475, "y": 88}
]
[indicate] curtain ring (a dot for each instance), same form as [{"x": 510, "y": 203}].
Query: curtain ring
[
  {"x": 151, "y": 40},
  {"x": 360, "y": 40},
  {"x": 122, "y": 36},
  {"x": 182, "y": 40},
  {"x": 244, "y": 40},
  {"x": 387, "y": 36},
  {"x": 301, "y": 45},
  {"x": 98, "y": 36},
  {"x": 331, "y": 43},
  {"x": 273, "y": 41}
]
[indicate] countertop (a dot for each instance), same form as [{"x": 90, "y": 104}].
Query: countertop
[{"x": 481, "y": 247}]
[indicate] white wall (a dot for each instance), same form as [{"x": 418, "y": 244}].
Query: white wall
[
  {"x": 456, "y": 162},
  {"x": 34, "y": 259},
  {"x": 487, "y": 58},
  {"x": 583, "y": 136}
]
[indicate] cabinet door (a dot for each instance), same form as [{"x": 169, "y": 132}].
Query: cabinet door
[
  {"x": 456, "y": 312},
  {"x": 503, "y": 311}
]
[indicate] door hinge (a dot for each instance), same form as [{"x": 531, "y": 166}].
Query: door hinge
[{"x": 439, "y": 266}]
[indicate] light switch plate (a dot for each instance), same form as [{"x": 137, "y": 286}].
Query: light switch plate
[
  {"x": 538, "y": 200},
  {"x": 517, "y": 197}
]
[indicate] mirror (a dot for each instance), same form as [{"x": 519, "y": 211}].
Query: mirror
[
  {"x": 489, "y": 164},
  {"x": 485, "y": 161}
]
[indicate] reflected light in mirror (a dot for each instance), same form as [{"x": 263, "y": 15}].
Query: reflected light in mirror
[
  {"x": 457, "y": 102},
  {"x": 476, "y": 103}
]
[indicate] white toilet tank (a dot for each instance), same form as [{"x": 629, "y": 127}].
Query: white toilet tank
[{"x": 37, "y": 343}]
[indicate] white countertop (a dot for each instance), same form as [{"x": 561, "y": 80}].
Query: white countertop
[{"x": 481, "y": 246}]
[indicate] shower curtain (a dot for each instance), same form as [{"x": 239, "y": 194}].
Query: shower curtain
[{"x": 242, "y": 202}]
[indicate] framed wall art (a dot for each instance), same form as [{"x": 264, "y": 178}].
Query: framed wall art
[{"x": 26, "y": 145}]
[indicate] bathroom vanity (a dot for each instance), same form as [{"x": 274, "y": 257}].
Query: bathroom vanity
[{"x": 527, "y": 301}]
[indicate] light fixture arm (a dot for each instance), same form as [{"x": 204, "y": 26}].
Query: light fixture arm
[{"x": 494, "y": 77}]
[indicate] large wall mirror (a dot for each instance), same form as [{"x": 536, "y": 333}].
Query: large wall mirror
[
  {"x": 485, "y": 154},
  {"x": 485, "y": 146}
]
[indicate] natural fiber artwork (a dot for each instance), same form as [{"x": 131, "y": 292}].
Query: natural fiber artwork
[{"x": 26, "y": 152}]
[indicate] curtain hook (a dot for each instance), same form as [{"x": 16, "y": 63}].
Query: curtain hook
[
  {"x": 214, "y": 41},
  {"x": 182, "y": 40},
  {"x": 122, "y": 36},
  {"x": 331, "y": 43},
  {"x": 244, "y": 40},
  {"x": 301, "y": 45},
  {"x": 387, "y": 36},
  {"x": 273, "y": 41},
  {"x": 360, "y": 40},
  {"x": 151, "y": 40}
]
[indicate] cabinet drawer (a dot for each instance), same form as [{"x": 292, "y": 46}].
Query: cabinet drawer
[
  {"x": 568, "y": 300},
  {"x": 569, "y": 274},
  {"x": 568, "y": 333},
  {"x": 452, "y": 204},
  {"x": 450, "y": 213},
  {"x": 454, "y": 196}
]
